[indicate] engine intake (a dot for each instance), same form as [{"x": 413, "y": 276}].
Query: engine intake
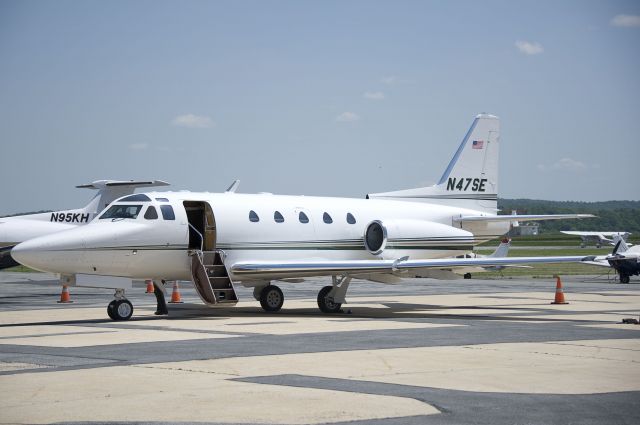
[{"x": 375, "y": 237}]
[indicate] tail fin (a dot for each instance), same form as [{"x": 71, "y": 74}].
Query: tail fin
[
  {"x": 502, "y": 250},
  {"x": 471, "y": 179},
  {"x": 110, "y": 190},
  {"x": 620, "y": 245}
]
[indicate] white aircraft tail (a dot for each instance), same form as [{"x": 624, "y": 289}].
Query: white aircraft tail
[
  {"x": 502, "y": 250},
  {"x": 620, "y": 245},
  {"x": 110, "y": 190},
  {"x": 471, "y": 179}
]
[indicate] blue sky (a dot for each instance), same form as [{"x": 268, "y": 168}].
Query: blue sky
[{"x": 318, "y": 98}]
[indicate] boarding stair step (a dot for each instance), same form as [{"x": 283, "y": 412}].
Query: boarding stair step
[{"x": 211, "y": 278}]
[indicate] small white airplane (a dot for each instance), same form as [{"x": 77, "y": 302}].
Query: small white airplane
[
  {"x": 221, "y": 239},
  {"x": 599, "y": 238},
  {"x": 624, "y": 259},
  {"x": 16, "y": 229},
  {"x": 501, "y": 252}
]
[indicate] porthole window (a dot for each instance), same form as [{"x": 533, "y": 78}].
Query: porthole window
[
  {"x": 278, "y": 217},
  {"x": 253, "y": 217},
  {"x": 151, "y": 213},
  {"x": 303, "y": 217},
  {"x": 327, "y": 218},
  {"x": 351, "y": 219}
]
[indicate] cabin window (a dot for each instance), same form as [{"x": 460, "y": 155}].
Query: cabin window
[
  {"x": 351, "y": 219},
  {"x": 167, "y": 212},
  {"x": 122, "y": 211},
  {"x": 136, "y": 197},
  {"x": 303, "y": 217},
  {"x": 278, "y": 217},
  {"x": 162, "y": 199},
  {"x": 253, "y": 217},
  {"x": 151, "y": 213},
  {"x": 327, "y": 218}
]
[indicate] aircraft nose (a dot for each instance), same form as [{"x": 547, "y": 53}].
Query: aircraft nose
[{"x": 50, "y": 253}]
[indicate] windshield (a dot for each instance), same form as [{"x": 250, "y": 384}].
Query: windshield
[{"x": 122, "y": 211}]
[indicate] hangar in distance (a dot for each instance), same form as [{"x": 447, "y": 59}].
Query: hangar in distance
[{"x": 219, "y": 240}]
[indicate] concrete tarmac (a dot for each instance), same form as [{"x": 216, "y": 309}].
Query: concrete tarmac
[{"x": 422, "y": 352}]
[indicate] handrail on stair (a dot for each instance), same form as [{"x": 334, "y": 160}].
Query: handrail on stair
[{"x": 201, "y": 238}]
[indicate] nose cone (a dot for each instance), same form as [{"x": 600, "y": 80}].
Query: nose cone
[{"x": 51, "y": 253}]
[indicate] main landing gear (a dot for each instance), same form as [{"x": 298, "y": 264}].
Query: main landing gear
[
  {"x": 271, "y": 298},
  {"x": 120, "y": 308},
  {"x": 624, "y": 278},
  {"x": 331, "y": 298}
]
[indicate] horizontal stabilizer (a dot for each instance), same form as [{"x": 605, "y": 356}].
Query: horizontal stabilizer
[
  {"x": 101, "y": 184},
  {"x": 496, "y": 218}
]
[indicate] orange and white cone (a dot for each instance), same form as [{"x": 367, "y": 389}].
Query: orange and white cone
[
  {"x": 149, "y": 287},
  {"x": 175, "y": 295},
  {"x": 559, "y": 294},
  {"x": 65, "y": 297}
]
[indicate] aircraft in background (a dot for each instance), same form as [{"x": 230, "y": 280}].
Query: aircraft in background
[
  {"x": 218, "y": 240},
  {"x": 501, "y": 252},
  {"x": 16, "y": 229},
  {"x": 599, "y": 238},
  {"x": 624, "y": 259}
]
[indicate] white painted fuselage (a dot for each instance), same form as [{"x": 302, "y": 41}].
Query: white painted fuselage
[{"x": 158, "y": 248}]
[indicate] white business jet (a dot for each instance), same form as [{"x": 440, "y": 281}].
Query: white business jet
[
  {"x": 16, "y": 229},
  {"x": 218, "y": 240},
  {"x": 599, "y": 238}
]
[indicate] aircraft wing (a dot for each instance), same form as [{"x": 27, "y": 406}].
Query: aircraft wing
[
  {"x": 515, "y": 217},
  {"x": 289, "y": 269}
]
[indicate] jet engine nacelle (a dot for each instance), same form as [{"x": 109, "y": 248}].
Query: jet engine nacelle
[{"x": 381, "y": 235}]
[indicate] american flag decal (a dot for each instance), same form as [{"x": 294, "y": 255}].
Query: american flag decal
[{"x": 477, "y": 144}]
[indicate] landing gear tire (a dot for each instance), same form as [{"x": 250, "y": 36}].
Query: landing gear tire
[
  {"x": 271, "y": 298},
  {"x": 110, "y": 309},
  {"x": 624, "y": 278},
  {"x": 467, "y": 276},
  {"x": 120, "y": 310},
  {"x": 326, "y": 304}
]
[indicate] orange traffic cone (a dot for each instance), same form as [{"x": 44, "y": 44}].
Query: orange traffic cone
[
  {"x": 559, "y": 294},
  {"x": 175, "y": 295},
  {"x": 149, "y": 287},
  {"x": 65, "y": 297}
]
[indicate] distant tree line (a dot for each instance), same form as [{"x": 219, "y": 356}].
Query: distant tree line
[{"x": 611, "y": 215}]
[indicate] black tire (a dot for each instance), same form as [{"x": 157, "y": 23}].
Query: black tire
[
  {"x": 326, "y": 305},
  {"x": 110, "y": 310},
  {"x": 123, "y": 310},
  {"x": 271, "y": 298},
  {"x": 467, "y": 276},
  {"x": 624, "y": 278}
]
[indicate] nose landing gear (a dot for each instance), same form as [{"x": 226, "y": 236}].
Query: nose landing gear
[{"x": 120, "y": 308}]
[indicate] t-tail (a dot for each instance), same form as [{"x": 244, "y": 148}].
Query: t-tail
[{"x": 471, "y": 178}]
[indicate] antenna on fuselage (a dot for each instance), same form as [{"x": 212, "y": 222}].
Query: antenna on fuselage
[{"x": 233, "y": 187}]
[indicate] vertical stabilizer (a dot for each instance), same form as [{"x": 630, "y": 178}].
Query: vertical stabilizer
[{"x": 471, "y": 178}]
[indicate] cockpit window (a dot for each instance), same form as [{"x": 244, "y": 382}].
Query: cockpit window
[
  {"x": 151, "y": 213},
  {"x": 122, "y": 211},
  {"x": 167, "y": 212},
  {"x": 136, "y": 197},
  {"x": 162, "y": 199}
]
